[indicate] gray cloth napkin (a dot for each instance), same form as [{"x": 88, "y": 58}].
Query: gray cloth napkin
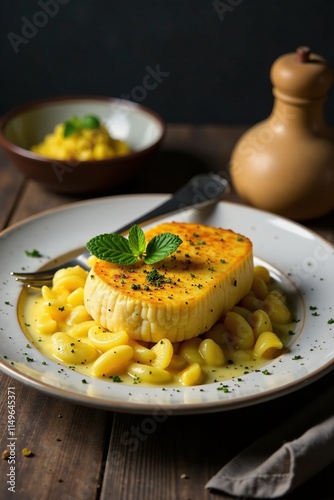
[{"x": 284, "y": 458}]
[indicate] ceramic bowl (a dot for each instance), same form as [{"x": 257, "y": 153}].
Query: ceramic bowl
[{"x": 28, "y": 124}]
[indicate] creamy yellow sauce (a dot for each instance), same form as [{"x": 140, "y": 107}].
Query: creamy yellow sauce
[{"x": 233, "y": 358}]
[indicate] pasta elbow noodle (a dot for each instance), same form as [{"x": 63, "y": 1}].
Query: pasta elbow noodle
[
  {"x": 149, "y": 374},
  {"x": 276, "y": 309},
  {"x": 76, "y": 298},
  {"x": 191, "y": 375},
  {"x": 189, "y": 351},
  {"x": 211, "y": 352},
  {"x": 163, "y": 353},
  {"x": 105, "y": 340},
  {"x": 267, "y": 345},
  {"x": 259, "y": 288},
  {"x": 240, "y": 329},
  {"x": 141, "y": 353},
  {"x": 260, "y": 322},
  {"x": 71, "y": 350},
  {"x": 263, "y": 273},
  {"x": 112, "y": 362},
  {"x": 78, "y": 315},
  {"x": 46, "y": 324}
]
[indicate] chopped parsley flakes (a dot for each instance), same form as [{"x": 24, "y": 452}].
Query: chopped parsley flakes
[{"x": 33, "y": 253}]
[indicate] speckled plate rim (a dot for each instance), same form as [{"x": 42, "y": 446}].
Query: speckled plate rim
[{"x": 302, "y": 260}]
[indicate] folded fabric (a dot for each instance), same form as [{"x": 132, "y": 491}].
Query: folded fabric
[{"x": 285, "y": 457}]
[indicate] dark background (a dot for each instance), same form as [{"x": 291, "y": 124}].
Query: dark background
[{"x": 215, "y": 56}]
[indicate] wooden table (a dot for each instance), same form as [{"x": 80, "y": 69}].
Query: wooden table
[{"x": 85, "y": 453}]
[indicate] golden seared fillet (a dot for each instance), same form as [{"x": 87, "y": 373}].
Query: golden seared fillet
[{"x": 179, "y": 297}]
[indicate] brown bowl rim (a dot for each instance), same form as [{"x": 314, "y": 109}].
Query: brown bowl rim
[{"x": 18, "y": 150}]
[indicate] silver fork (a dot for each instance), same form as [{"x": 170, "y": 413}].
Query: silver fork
[{"x": 200, "y": 191}]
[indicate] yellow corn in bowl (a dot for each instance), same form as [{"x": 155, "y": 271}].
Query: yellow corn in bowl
[{"x": 90, "y": 160}]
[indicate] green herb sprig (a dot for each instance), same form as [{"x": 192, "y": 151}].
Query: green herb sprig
[
  {"x": 117, "y": 249},
  {"x": 76, "y": 124}
]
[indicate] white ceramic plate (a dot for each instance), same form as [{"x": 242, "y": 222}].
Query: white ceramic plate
[{"x": 301, "y": 260}]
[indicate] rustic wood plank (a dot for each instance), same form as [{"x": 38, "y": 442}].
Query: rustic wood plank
[
  {"x": 67, "y": 441},
  {"x": 35, "y": 199},
  {"x": 11, "y": 182}
]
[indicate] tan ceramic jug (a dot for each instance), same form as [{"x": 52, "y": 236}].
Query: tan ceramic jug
[{"x": 285, "y": 164}]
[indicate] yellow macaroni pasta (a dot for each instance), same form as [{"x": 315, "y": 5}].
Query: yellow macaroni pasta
[{"x": 251, "y": 333}]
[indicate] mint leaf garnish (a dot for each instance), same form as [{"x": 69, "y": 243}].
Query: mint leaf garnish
[
  {"x": 76, "y": 124},
  {"x": 116, "y": 249},
  {"x": 137, "y": 241},
  {"x": 89, "y": 121},
  {"x": 112, "y": 248},
  {"x": 69, "y": 129},
  {"x": 160, "y": 246}
]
